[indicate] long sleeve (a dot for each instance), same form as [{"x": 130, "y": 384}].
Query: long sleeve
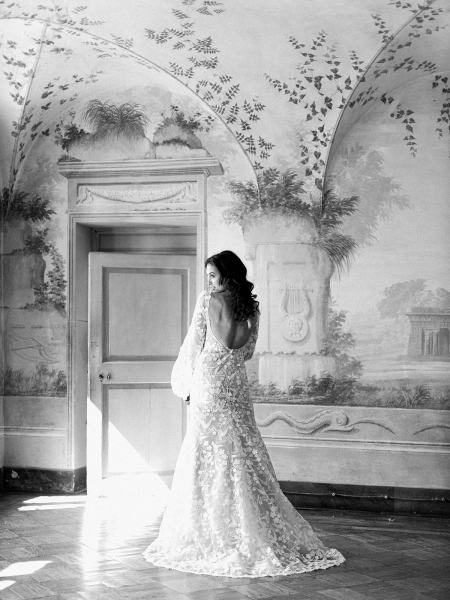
[
  {"x": 250, "y": 345},
  {"x": 190, "y": 349}
]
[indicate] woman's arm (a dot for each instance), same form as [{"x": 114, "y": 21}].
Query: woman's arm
[
  {"x": 250, "y": 345},
  {"x": 191, "y": 347}
]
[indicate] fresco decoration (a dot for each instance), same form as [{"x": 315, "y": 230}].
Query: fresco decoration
[
  {"x": 325, "y": 80},
  {"x": 34, "y": 271},
  {"x": 178, "y": 128},
  {"x": 46, "y": 84},
  {"x": 338, "y": 388},
  {"x": 49, "y": 92},
  {"x": 397, "y": 55},
  {"x": 401, "y": 330},
  {"x": 407, "y": 353},
  {"x": 281, "y": 192},
  {"x": 48, "y": 11},
  {"x": 362, "y": 171},
  {"x": 319, "y": 88},
  {"x": 40, "y": 382},
  {"x": 21, "y": 75},
  {"x": 199, "y": 68},
  {"x": 56, "y": 28},
  {"x": 401, "y": 340},
  {"x": 332, "y": 144},
  {"x": 28, "y": 215},
  {"x": 118, "y": 131},
  {"x": 325, "y": 83},
  {"x": 322, "y": 422}
]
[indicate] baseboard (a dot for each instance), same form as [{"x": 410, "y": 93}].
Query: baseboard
[
  {"x": 431, "y": 502},
  {"x": 50, "y": 481}
]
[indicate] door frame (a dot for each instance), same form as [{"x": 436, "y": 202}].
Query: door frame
[{"x": 81, "y": 242}]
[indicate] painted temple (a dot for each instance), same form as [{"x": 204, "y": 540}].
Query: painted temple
[{"x": 429, "y": 337}]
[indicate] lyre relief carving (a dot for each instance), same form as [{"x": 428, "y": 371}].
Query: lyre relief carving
[{"x": 295, "y": 308}]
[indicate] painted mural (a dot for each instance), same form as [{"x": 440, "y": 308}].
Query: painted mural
[{"x": 334, "y": 186}]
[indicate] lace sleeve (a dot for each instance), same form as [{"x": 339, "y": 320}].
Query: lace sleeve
[
  {"x": 250, "y": 345},
  {"x": 190, "y": 349}
]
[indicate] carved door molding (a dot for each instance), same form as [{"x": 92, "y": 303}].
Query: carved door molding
[{"x": 132, "y": 193}]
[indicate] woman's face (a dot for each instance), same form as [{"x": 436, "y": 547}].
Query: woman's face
[{"x": 213, "y": 277}]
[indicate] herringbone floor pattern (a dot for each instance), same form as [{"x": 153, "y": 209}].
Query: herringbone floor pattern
[{"x": 70, "y": 547}]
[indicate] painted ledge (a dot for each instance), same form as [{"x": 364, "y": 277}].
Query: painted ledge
[{"x": 206, "y": 165}]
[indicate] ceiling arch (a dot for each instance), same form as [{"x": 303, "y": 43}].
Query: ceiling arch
[
  {"x": 420, "y": 49},
  {"x": 51, "y": 69}
]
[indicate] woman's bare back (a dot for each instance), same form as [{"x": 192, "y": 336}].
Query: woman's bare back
[{"x": 233, "y": 334}]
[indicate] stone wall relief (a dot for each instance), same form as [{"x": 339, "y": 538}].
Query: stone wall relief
[
  {"x": 293, "y": 292},
  {"x": 140, "y": 196},
  {"x": 372, "y": 424},
  {"x": 36, "y": 349},
  {"x": 292, "y": 295},
  {"x": 295, "y": 309},
  {"x": 323, "y": 421}
]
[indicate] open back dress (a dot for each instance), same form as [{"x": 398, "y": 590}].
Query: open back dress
[{"x": 226, "y": 513}]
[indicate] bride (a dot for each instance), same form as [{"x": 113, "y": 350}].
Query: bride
[{"x": 226, "y": 513}]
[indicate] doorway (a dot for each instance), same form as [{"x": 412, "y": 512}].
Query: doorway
[{"x": 127, "y": 326}]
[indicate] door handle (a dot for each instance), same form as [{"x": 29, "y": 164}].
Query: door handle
[{"x": 101, "y": 376}]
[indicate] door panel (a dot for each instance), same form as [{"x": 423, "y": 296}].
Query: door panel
[
  {"x": 140, "y": 306},
  {"x": 134, "y": 291},
  {"x": 154, "y": 445}
]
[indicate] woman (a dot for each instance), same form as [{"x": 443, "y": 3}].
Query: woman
[{"x": 226, "y": 513}]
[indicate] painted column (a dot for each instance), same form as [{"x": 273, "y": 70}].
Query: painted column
[{"x": 292, "y": 275}]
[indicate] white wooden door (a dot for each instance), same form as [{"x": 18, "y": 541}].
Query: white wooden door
[{"x": 139, "y": 311}]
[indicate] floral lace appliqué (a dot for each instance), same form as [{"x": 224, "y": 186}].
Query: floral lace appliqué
[{"x": 226, "y": 513}]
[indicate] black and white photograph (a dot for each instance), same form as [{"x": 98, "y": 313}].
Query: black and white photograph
[{"x": 225, "y": 299}]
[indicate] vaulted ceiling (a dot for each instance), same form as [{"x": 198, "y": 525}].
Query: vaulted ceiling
[{"x": 56, "y": 57}]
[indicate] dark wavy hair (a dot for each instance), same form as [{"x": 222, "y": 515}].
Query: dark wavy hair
[{"x": 233, "y": 276}]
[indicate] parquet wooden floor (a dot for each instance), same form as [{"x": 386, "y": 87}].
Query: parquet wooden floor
[{"x": 72, "y": 547}]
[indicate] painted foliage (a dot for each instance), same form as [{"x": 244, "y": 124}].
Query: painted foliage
[{"x": 349, "y": 148}]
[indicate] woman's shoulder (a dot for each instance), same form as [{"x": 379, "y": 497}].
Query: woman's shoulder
[{"x": 202, "y": 300}]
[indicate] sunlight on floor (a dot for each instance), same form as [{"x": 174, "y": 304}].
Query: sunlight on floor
[
  {"x": 56, "y": 499},
  {"x": 24, "y": 568},
  {"x": 49, "y": 507},
  {"x": 53, "y": 503},
  {"x": 6, "y": 584},
  {"x": 121, "y": 487},
  {"x": 126, "y": 506},
  {"x": 127, "y": 503}
]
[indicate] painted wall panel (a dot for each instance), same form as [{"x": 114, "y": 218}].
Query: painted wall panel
[{"x": 331, "y": 117}]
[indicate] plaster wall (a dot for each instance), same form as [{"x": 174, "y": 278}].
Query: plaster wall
[
  {"x": 35, "y": 432},
  {"x": 357, "y": 445},
  {"x": 400, "y": 227}
]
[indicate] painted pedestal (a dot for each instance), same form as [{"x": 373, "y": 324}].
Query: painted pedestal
[{"x": 292, "y": 276}]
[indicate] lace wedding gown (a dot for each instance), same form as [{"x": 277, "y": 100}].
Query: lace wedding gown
[{"x": 226, "y": 513}]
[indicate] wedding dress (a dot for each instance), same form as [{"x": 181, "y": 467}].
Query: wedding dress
[{"x": 226, "y": 513}]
